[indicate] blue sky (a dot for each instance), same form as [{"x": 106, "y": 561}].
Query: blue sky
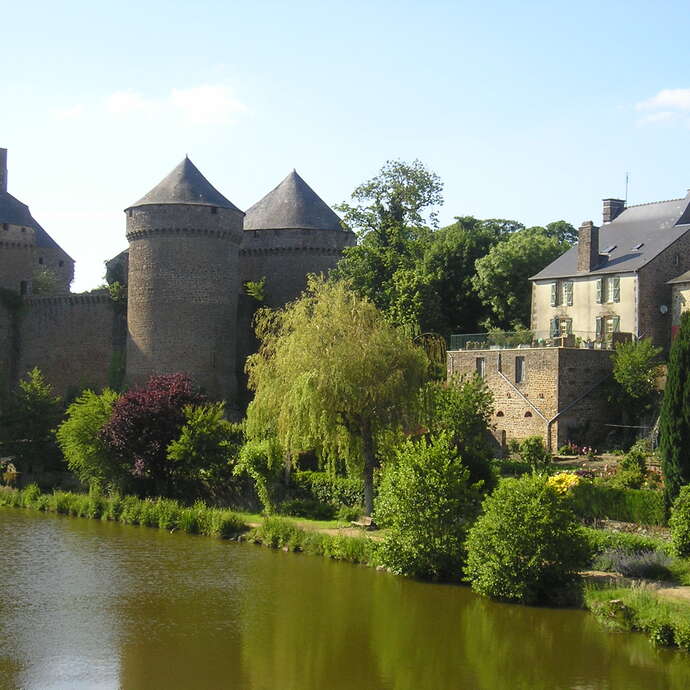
[{"x": 532, "y": 111}]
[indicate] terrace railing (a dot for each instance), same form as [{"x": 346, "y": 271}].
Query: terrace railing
[{"x": 504, "y": 340}]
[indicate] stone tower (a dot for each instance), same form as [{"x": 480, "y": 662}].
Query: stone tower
[
  {"x": 289, "y": 233},
  {"x": 183, "y": 281}
]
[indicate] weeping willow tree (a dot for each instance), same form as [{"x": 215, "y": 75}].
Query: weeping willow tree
[{"x": 330, "y": 375}]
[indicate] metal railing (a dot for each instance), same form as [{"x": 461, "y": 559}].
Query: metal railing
[{"x": 510, "y": 340}]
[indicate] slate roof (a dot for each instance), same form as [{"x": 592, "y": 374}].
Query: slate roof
[
  {"x": 293, "y": 204},
  {"x": 15, "y": 212},
  {"x": 654, "y": 227},
  {"x": 185, "y": 185},
  {"x": 682, "y": 278}
]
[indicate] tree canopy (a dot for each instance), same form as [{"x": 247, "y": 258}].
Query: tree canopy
[{"x": 332, "y": 372}]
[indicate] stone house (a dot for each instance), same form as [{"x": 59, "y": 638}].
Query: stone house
[
  {"x": 615, "y": 284},
  {"x": 190, "y": 252}
]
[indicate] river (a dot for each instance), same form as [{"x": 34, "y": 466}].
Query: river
[{"x": 88, "y": 604}]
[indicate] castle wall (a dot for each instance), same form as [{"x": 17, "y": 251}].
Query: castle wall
[
  {"x": 7, "y": 346},
  {"x": 16, "y": 257},
  {"x": 58, "y": 262},
  {"x": 71, "y": 339},
  {"x": 285, "y": 257},
  {"x": 182, "y": 294}
]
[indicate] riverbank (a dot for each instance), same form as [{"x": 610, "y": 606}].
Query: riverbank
[{"x": 619, "y": 603}]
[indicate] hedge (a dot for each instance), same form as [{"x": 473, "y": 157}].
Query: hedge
[
  {"x": 325, "y": 488},
  {"x": 594, "y": 500}
]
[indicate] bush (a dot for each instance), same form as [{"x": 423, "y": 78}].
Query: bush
[
  {"x": 680, "y": 522},
  {"x": 652, "y": 565},
  {"x": 306, "y": 508},
  {"x": 600, "y": 540},
  {"x": 327, "y": 488},
  {"x": 507, "y": 467},
  {"x": 598, "y": 500},
  {"x": 534, "y": 453},
  {"x": 349, "y": 514},
  {"x": 84, "y": 449},
  {"x": 426, "y": 499},
  {"x": 526, "y": 546},
  {"x": 277, "y": 532}
]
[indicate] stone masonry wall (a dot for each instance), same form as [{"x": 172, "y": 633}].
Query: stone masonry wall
[
  {"x": 16, "y": 256},
  {"x": 553, "y": 379},
  {"x": 653, "y": 290},
  {"x": 182, "y": 294},
  {"x": 7, "y": 344},
  {"x": 285, "y": 257},
  {"x": 69, "y": 338}
]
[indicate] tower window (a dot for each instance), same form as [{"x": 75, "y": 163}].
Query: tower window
[
  {"x": 40, "y": 260},
  {"x": 61, "y": 263},
  {"x": 214, "y": 210}
]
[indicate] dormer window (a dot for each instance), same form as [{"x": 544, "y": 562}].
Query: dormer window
[
  {"x": 608, "y": 250},
  {"x": 638, "y": 246}
]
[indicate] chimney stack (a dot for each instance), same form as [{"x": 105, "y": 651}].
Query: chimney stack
[
  {"x": 612, "y": 209},
  {"x": 587, "y": 247},
  {"x": 3, "y": 171}
]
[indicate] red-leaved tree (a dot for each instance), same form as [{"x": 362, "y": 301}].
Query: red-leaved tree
[{"x": 144, "y": 423}]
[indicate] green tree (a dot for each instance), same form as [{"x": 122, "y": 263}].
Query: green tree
[
  {"x": 674, "y": 423},
  {"x": 28, "y": 424},
  {"x": 526, "y": 546},
  {"x": 562, "y": 231},
  {"x": 462, "y": 409},
  {"x": 84, "y": 449},
  {"x": 427, "y": 500},
  {"x": 635, "y": 370},
  {"x": 502, "y": 279},
  {"x": 331, "y": 373}
]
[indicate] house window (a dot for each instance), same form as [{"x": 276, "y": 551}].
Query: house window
[
  {"x": 608, "y": 289},
  {"x": 519, "y": 369},
  {"x": 480, "y": 365},
  {"x": 562, "y": 293},
  {"x": 606, "y": 326},
  {"x": 40, "y": 260},
  {"x": 561, "y": 327},
  {"x": 23, "y": 287}
]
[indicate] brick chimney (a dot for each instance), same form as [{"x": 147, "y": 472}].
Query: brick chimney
[
  {"x": 587, "y": 247},
  {"x": 3, "y": 170},
  {"x": 612, "y": 209}
]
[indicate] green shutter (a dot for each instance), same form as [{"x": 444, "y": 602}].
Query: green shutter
[
  {"x": 600, "y": 290},
  {"x": 616, "y": 289},
  {"x": 569, "y": 293},
  {"x": 599, "y": 326},
  {"x": 616, "y": 324},
  {"x": 554, "y": 300},
  {"x": 554, "y": 328},
  {"x": 570, "y": 326}
]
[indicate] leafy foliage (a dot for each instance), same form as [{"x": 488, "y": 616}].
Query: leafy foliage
[
  {"x": 652, "y": 565},
  {"x": 534, "y": 453},
  {"x": 680, "y": 522},
  {"x": 44, "y": 281},
  {"x": 144, "y": 422},
  {"x": 511, "y": 263},
  {"x": 526, "y": 545},
  {"x": 262, "y": 460},
  {"x": 462, "y": 408},
  {"x": 28, "y": 424},
  {"x": 330, "y": 374},
  {"x": 599, "y": 500},
  {"x": 427, "y": 501},
  {"x": 84, "y": 448},
  {"x": 328, "y": 488},
  {"x": 636, "y": 367}
]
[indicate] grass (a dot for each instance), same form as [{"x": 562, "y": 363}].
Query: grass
[
  {"x": 158, "y": 513},
  {"x": 257, "y": 518},
  {"x": 666, "y": 623}
]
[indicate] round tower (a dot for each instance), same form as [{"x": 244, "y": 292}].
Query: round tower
[
  {"x": 183, "y": 281},
  {"x": 288, "y": 234}
]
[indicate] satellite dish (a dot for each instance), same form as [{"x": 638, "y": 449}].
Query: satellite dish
[{"x": 663, "y": 308}]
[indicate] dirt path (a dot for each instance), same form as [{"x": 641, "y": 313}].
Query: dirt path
[{"x": 667, "y": 590}]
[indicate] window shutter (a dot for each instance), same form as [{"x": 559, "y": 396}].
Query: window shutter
[
  {"x": 616, "y": 289},
  {"x": 599, "y": 326},
  {"x": 570, "y": 326},
  {"x": 554, "y": 301},
  {"x": 554, "y": 328},
  {"x": 600, "y": 290},
  {"x": 569, "y": 293},
  {"x": 616, "y": 324}
]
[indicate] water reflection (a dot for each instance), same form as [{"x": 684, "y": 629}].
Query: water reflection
[{"x": 97, "y": 605}]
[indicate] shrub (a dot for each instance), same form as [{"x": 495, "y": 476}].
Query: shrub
[
  {"x": 349, "y": 514},
  {"x": 526, "y": 545},
  {"x": 306, "y": 508},
  {"x": 598, "y": 500},
  {"x": 652, "y": 565},
  {"x": 143, "y": 424},
  {"x": 426, "y": 499},
  {"x": 600, "y": 540},
  {"x": 534, "y": 453},
  {"x": 563, "y": 482},
  {"x": 262, "y": 461},
  {"x": 507, "y": 467},
  {"x": 680, "y": 522},
  {"x": 328, "y": 488},
  {"x": 79, "y": 438},
  {"x": 277, "y": 532}
]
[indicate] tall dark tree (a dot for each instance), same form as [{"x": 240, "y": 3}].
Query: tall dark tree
[{"x": 674, "y": 425}]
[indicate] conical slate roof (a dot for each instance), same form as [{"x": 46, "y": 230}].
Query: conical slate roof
[
  {"x": 293, "y": 204},
  {"x": 185, "y": 185}
]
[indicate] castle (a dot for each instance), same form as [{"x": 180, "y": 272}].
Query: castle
[{"x": 181, "y": 303}]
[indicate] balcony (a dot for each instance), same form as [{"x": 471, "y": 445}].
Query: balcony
[{"x": 511, "y": 340}]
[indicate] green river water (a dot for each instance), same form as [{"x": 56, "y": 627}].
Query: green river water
[{"x": 87, "y": 604}]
